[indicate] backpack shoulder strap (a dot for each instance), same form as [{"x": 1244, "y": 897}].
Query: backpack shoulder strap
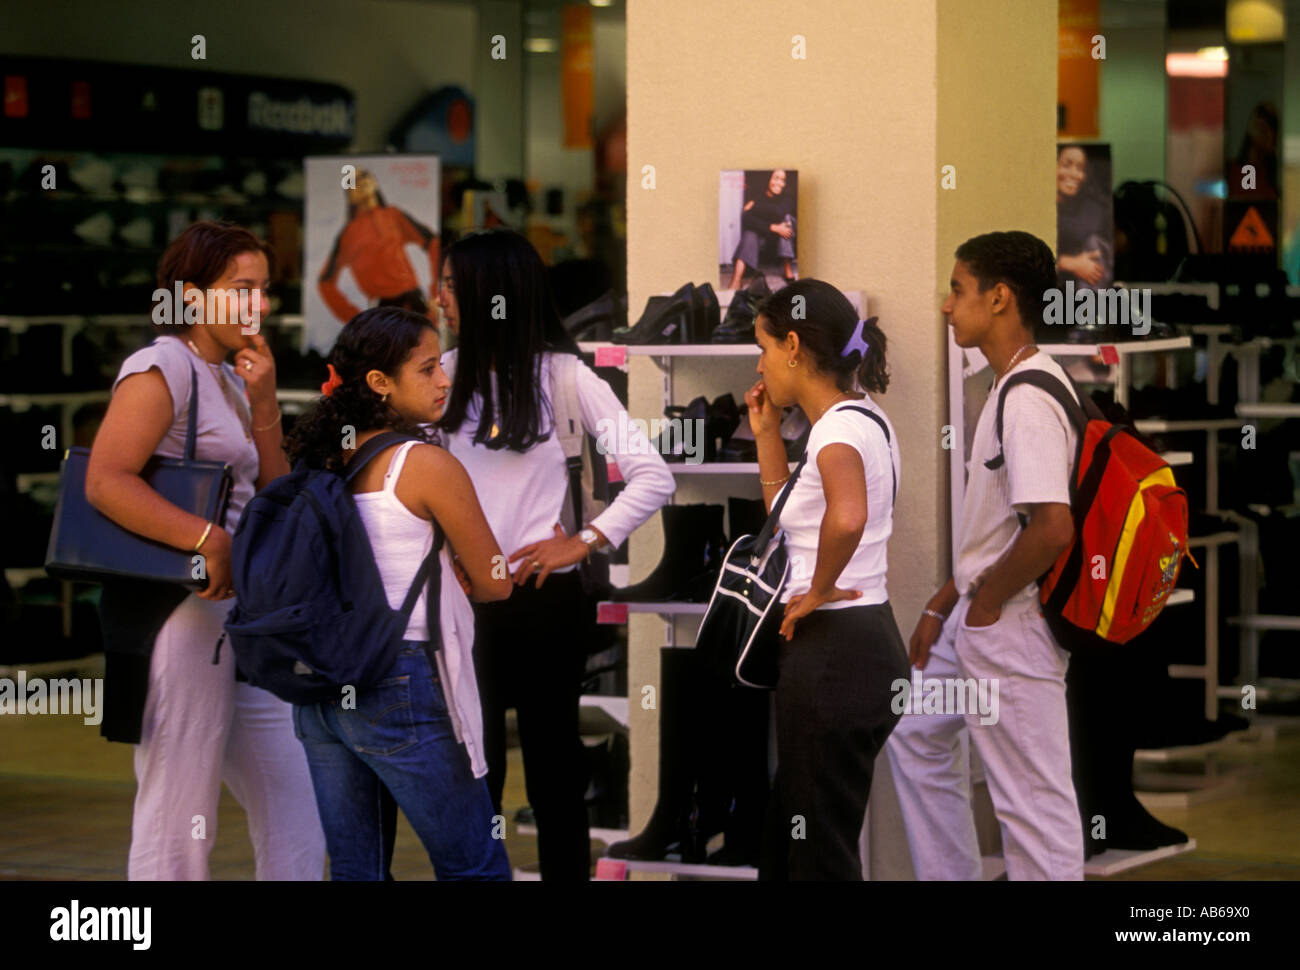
[
  {"x": 1044, "y": 382},
  {"x": 372, "y": 447},
  {"x": 889, "y": 444}
]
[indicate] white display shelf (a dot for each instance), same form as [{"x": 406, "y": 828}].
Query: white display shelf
[
  {"x": 693, "y": 870},
  {"x": 1180, "y": 596},
  {"x": 718, "y": 468},
  {"x": 666, "y": 609},
  {"x": 673, "y": 350},
  {"x": 1159, "y": 425},
  {"x": 1176, "y": 458},
  {"x": 29, "y": 480},
  {"x": 1264, "y": 409},
  {"x": 615, "y": 708},
  {"x": 297, "y": 395},
  {"x": 1121, "y": 347},
  {"x": 21, "y": 576},
  {"x": 1114, "y": 861}
]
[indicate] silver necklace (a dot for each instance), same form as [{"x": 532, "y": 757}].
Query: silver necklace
[{"x": 1015, "y": 359}]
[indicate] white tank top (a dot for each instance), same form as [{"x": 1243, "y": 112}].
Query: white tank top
[{"x": 400, "y": 539}]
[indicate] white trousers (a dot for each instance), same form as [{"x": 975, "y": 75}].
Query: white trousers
[
  {"x": 201, "y": 727},
  {"x": 1025, "y": 752}
]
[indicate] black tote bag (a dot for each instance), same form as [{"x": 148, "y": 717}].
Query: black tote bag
[
  {"x": 86, "y": 545},
  {"x": 738, "y": 635}
]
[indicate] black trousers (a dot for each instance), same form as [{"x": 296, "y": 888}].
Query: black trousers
[
  {"x": 528, "y": 655},
  {"x": 833, "y": 714}
]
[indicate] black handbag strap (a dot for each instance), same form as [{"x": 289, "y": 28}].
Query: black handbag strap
[
  {"x": 769, "y": 527},
  {"x": 192, "y": 429},
  {"x": 889, "y": 444}
]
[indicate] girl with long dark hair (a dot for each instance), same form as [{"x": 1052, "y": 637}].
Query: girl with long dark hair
[
  {"x": 841, "y": 649},
  {"x": 500, "y": 422},
  {"x": 414, "y": 740}
]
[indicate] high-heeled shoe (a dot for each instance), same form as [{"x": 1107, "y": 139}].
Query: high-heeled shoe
[
  {"x": 694, "y": 544},
  {"x": 707, "y": 314},
  {"x": 737, "y": 327},
  {"x": 598, "y": 319},
  {"x": 666, "y": 320}
]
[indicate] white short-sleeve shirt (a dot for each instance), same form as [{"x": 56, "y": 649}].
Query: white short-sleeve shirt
[{"x": 801, "y": 519}]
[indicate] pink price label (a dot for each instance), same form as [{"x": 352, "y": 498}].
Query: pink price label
[
  {"x": 611, "y": 870},
  {"x": 1109, "y": 355},
  {"x": 611, "y": 612},
  {"x": 611, "y": 356}
]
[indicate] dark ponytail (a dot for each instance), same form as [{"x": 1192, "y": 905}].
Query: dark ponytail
[
  {"x": 826, "y": 323},
  {"x": 381, "y": 339}
]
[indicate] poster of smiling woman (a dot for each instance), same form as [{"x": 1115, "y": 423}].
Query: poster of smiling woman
[
  {"x": 372, "y": 238},
  {"x": 1085, "y": 216},
  {"x": 758, "y": 227}
]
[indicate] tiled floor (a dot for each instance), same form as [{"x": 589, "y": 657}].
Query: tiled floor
[{"x": 66, "y": 794}]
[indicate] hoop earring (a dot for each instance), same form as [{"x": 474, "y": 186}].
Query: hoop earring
[{"x": 791, "y": 362}]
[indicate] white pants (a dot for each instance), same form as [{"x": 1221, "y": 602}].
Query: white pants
[
  {"x": 201, "y": 727},
  {"x": 1026, "y": 754}
]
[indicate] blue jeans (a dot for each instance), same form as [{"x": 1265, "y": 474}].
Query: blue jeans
[{"x": 399, "y": 740}]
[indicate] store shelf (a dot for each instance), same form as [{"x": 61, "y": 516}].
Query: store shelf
[
  {"x": 1114, "y": 861},
  {"x": 1120, "y": 347},
  {"x": 21, "y": 402},
  {"x": 610, "y": 607},
  {"x": 718, "y": 468},
  {"x": 1180, "y": 596},
  {"x": 297, "y": 395},
  {"x": 615, "y": 708},
  {"x": 29, "y": 480},
  {"x": 1176, "y": 458},
  {"x": 21, "y": 576},
  {"x": 1159, "y": 425},
  {"x": 118, "y": 320},
  {"x": 1265, "y": 621},
  {"x": 1214, "y": 539},
  {"x": 696, "y": 871},
  {"x": 673, "y": 350},
  {"x": 1264, "y": 409}
]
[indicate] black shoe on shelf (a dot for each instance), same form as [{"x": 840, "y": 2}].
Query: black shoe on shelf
[
  {"x": 666, "y": 320},
  {"x": 599, "y": 319},
  {"x": 670, "y": 444},
  {"x": 707, "y": 314},
  {"x": 737, "y": 326},
  {"x": 694, "y": 544}
]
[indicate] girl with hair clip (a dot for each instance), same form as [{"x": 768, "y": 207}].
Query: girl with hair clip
[
  {"x": 414, "y": 739},
  {"x": 528, "y": 652},
  {"x": 841, "y": 649}
]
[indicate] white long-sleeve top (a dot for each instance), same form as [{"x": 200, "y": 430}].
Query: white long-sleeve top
[{"x": 523, "y": 494}]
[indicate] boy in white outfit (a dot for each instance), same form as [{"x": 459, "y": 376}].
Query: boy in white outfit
[{"x": 986, "y": 623}]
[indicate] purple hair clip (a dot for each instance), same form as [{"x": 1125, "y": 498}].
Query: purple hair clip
[{"x": 856, "y": 343}]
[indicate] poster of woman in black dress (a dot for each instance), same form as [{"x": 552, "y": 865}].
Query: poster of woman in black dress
[
  {"x": 1085, "y": 218},
  {"x": 757, "y": 226}
]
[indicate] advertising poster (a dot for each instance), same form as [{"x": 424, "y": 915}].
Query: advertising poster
[
  {"x": 1085, "y": 216},
  {"x": 758, "y": 226},
  {"x": 371, "y": 238}
]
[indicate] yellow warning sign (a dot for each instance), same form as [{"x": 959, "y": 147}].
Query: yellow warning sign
[{"x": 1251, "y": 233}]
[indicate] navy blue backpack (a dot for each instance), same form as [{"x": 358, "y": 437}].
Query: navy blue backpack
[{"x": 312, "y": 616}]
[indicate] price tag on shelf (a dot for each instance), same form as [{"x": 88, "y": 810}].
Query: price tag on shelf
[
  {"x": 611, "y": 612},
  {"x": 1109, "y": 355},
  {"x": 611, "y": 356}
]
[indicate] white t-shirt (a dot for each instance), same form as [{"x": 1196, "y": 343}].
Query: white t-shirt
[
  {"x": 801, "y": 519},
  {"x": 523, "y": 494},
  {"x": 1038, "y": 442}
]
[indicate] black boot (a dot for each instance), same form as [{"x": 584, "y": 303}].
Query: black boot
[
  {"x": 672, "y": 445},
  {"x": 707, "y": 314},
  {"x": 724, "y": 419},
  {"x": 737, "y": 326},
  {"x": 599, "y": 319},
  {"x": 694, "y": 544},
  {"x": 733, "y": 772},
  {"x": 666, "y": 320},
  {"x": 669, "y": 830}
]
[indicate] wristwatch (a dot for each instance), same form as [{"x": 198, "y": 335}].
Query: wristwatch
[{"x": 592, "y": 538}]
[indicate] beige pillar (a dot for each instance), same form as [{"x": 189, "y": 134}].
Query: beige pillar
[{"x": 886, "y": 94}]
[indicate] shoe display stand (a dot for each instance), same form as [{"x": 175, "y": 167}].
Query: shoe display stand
[{"x": 679, "y": 369}]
